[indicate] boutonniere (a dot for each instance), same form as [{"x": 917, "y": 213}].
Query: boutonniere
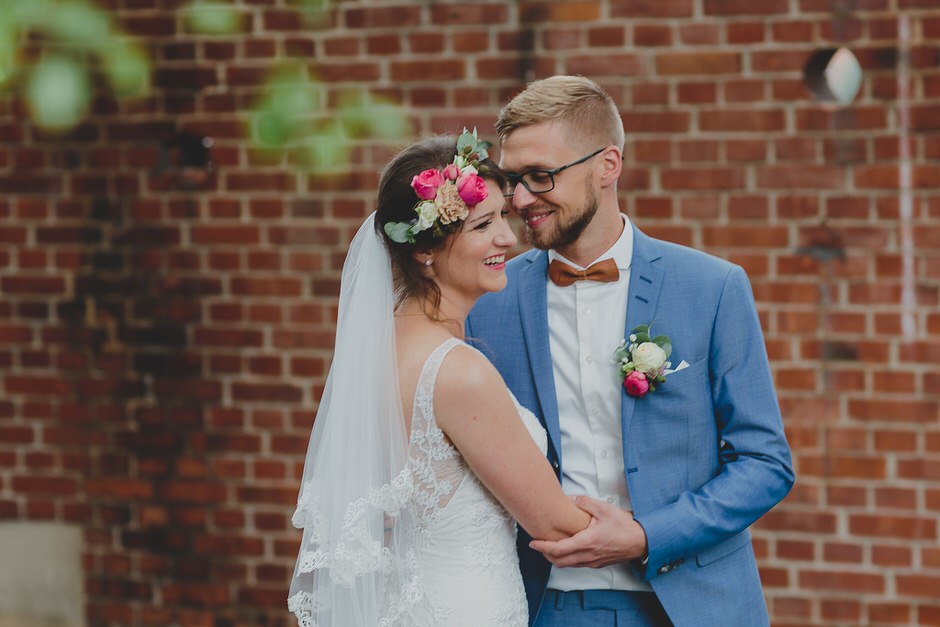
[{"x": 643, "y": 360}]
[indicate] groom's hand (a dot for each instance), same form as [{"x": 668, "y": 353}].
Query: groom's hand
[{"x": 613, "y": 536}]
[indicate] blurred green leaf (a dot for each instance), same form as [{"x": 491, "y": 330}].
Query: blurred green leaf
[
  {"x": 7, "y": 49},
  {"x": 213, "y": 17},
  {"x": 26, "y": 14},
  {"x": 369, "y": 116},
  {"x": 271, "y": 129},
  {"x": 74, "y": 37},
  {"x": 78, "y": 23},
  {"x": 58, "y": 92},
  {"x": 128, "y": 70},
  {"x": 284, "y": 114},
  {"x": 294, "y": 98},
  {"x": 314, "y": 6},
  {"x": 328, "y": 148}
]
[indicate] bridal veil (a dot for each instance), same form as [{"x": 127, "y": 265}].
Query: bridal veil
[{"x": 356, "y": 565}]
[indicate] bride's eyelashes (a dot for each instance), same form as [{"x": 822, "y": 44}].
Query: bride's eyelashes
[{"x": 483, "y": 225}]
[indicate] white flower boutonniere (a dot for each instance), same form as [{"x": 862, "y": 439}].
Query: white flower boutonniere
[{"x": 644, "y": 360}]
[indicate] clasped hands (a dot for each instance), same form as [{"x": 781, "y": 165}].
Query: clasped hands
[{"x": 612, "y": 536}]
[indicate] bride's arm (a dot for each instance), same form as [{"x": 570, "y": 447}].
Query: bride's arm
[{"x": 474, "y": 409}]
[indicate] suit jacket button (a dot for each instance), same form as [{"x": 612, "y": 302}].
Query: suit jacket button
[{"x": 664, "y": 569}]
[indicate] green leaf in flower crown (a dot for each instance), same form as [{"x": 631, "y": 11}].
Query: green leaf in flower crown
[
  {"x": 468, "y": 142},
  {"x": 466, "y": 139},
  {"x": 399, "y": 232}
]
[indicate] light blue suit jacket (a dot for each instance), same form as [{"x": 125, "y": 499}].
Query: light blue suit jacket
[{"x": 705, "y": 454}]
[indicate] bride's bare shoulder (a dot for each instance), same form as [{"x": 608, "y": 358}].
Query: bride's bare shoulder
[{"x": 466, "y": 373}]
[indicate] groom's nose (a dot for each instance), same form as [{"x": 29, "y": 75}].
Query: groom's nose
[{"x": 522, "y": 197}]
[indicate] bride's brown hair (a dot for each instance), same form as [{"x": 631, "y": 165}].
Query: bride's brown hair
[{"x": 396, "y": 203}]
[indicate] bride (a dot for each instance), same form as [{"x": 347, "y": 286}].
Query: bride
[{"x": 421, "y": 462}]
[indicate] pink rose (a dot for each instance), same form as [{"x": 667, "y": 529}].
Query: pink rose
[
  {"x": 426, "y": 184},
  {"x": 472, "y": 189},
  {"x": 636, "y": 384},
  {"x": 451, "y": 172}
]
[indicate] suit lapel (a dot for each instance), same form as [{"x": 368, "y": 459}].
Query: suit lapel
[
  {"x": 533, "y": 310},
  {"x": 646, "y": 281}
]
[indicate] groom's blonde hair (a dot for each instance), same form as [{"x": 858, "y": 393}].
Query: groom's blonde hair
[{"x": 588, "y": 112}]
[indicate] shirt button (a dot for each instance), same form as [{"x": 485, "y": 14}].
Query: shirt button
[
  {"x": 610, "y": 499},
  {"x": 605, "y": 454},
  {"x": 587, "y": 311},
  {"x": 596, "y": 411},
  {"x": 589, "y": 359}
]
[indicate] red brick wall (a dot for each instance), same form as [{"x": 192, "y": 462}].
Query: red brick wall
[{"x": 162, "y": 346}]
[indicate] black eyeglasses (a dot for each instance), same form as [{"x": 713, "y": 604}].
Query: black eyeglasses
[{"x": 541, "y": 181}]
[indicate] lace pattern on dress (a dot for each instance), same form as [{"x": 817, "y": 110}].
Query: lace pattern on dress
[
  {"x": 436, "y": 465},
  {"x": 485, "y": 555}
]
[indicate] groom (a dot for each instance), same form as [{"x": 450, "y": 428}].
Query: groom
[{"x": 673, "y": 476}]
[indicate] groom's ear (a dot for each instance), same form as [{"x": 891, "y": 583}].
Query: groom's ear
[{"x": 612, "y": 164}]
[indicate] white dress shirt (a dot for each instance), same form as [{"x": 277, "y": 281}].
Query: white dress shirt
[{"x": 586, "y": 325}]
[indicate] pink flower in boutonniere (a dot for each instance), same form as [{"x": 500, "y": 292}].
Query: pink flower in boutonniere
[
  {"x": 643, "y": 360},
  {"x": 636, "y": 383}
]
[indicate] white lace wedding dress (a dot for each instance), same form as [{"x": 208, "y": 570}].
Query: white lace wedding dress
[{"x": 467, "y": 541}]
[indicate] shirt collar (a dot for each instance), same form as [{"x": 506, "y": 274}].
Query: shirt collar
[{"x": 621, "y": 251}]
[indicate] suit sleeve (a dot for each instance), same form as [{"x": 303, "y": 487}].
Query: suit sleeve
[{"x": 754, "y": 471}]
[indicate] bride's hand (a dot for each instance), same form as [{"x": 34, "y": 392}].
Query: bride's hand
[{"x": 612, "y": 536}]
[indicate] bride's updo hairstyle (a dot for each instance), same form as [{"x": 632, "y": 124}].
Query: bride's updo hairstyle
[{"x": 397, "y": 202}]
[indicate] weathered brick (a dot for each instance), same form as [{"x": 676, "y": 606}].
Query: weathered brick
[
  {"x": 163, "y": 344},
  {"x": 687, "y": 63}
]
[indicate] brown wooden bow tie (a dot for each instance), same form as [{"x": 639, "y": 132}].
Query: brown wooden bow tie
[{"x": 564, "y": 275}]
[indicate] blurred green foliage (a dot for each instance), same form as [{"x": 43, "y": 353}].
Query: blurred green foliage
[
  {"x": 291, "y": 117},
  {"x": 55, "y": 54},
  {"x": 213, "y": 17},
  {"x": 51, "y": 52}
]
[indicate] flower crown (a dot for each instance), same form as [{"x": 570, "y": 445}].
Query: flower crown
[{"x": 446, "y": 195}]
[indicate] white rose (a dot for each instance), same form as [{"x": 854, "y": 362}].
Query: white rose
[
  {"x": 649, "y": 358},
  {"x": 427, "y": 214}
]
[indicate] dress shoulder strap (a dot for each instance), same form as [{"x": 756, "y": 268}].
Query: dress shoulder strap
[{"x": 432, "y": 366}]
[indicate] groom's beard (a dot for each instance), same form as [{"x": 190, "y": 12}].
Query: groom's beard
[{"x": 570, "y": 225}]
